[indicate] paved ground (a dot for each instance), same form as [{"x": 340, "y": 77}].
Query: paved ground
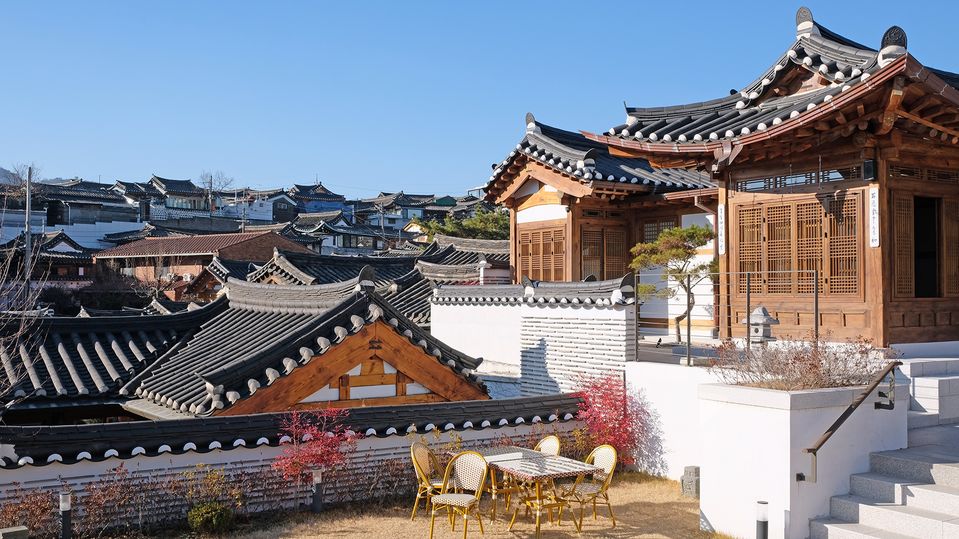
[{"x": 644, "y": 507}]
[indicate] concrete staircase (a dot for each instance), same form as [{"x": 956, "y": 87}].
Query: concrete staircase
[
  {"x": 913, "y": 492},
  {"x": 908, "y": 493},
  {"x": 934, "y": 391}
]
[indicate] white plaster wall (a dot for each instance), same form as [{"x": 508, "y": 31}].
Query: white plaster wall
[
  {"x": 546, "y": 212},
  {"x": 946, "y": 349},
  {"x": 487, "y": 331},
  {"x": 754, "y": 440},
  {"x": 671, "y": 391},
  {"x": 87, "y": 234}
]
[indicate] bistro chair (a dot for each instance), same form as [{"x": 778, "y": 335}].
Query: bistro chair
[
  {"x": 465, "y": 472},
  {"x": 594, "y": 490},
  {"x": 548, "y": 445},
  {"x": 427, "y": 467}
]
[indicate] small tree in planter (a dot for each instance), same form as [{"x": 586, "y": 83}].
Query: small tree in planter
[
  {"x": 318, "y": 441},
  {"x": 613, "y": 415},
  {"x": 674, "y": 251}
]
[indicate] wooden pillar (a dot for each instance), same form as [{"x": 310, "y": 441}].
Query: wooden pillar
[
  {"x": 574, "y": 251},
  {"x": 722, "y": 237},
  {"x": 878, "y": 277},
  {"x": 513, "y": 239}
]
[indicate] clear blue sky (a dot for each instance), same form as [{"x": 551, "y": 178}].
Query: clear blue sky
[{"x": 376, "y": 96}]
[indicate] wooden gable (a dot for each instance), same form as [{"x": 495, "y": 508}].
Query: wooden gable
[{"x": 374, "y": 367}]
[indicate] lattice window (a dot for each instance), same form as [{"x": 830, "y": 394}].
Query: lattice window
[
  {"x": 750, "y": 245},
  {"x": 896, "y": 171},
  {"x": 542, "y": 254},
  {"x": 943, "y": 176},
  {"x": 843, "y": 219},
  {"x": 799, "y": 179},
  {"x": 616, "y": 258},
  {"x": 779, "y": 249},
  {"x": 592, "y": 253},
  {"x": 781, "y": 245},
  {"x": 904, "y": 222},
  {"x": 650, "y": 229},
  {"x": 809, "y": 221}
]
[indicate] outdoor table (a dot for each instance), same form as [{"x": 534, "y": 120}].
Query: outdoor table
[{"x": 535, "y": 468}]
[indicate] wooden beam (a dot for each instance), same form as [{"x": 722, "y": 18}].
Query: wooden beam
[
  {"x": 892, "y": 104},
  {"x": 927, "y": 123}
]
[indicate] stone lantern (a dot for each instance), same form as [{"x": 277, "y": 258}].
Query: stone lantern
[{"x": 760, "y": 326}]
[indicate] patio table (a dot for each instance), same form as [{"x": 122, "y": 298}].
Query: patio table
[{"x": 535, "y": 468}]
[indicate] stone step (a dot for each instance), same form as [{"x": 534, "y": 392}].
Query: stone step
[
  {"x": 917, "y": 420},
  {"x": 924, "y": 464},
  {"x": 923, "y": 404},
  {"x": 831, "y": 528},
  {"x": 930, "y": 367},
  {"x": 883, "y": 488},
  {"x": 902, "y": 519}
]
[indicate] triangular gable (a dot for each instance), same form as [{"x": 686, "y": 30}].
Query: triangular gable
[{"x": 375, "y": 366}]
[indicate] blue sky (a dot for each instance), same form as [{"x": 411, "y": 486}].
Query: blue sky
[{"x": 417, "y": 96}]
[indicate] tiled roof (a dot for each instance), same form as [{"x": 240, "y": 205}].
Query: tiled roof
[
  {"x": 137, "y": 189},
  {"x": 148, "y": 231},
  {"x": 845, "y": 64},
  {"x": 155, "y": 308},
  {"x": 178, "y": 246},
  {"x": 177, "y": 187},
  {"x": 81, "y": 357},
  {"x": 306, "y": 268},
  {"x": 224, "y": 269},
  {"x": 267, "y": 332},
  {"x": 609, "y": 292},
  {"x": 314, "y": 192},
  {"x": 79, "y": 191},
  {"x": 40, "y": 445},
  {"x": 312, "y": 219},
  {"x": 411, "y": 293},
  {"x": 576, "y": 156},
  {"x": 45, "y": 244},
  {"x": 468, "y": 250}
]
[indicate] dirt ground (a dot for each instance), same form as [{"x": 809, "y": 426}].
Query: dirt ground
[{"x": 644, "y": 507}]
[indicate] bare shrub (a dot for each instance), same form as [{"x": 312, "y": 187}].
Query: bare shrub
[
  {"x": 801, "y": 364},
  {"x": 34, "y": 508}
]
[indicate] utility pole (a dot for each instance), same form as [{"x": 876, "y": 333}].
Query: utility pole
[{"x": 27, "y": 241}]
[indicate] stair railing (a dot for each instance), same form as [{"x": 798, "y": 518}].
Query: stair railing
[{"x": 890, "y": 395}]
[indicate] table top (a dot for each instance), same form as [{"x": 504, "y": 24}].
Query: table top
[{"x": 531, "y": 465}]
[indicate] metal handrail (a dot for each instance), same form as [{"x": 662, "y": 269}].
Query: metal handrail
[{"x": 814, "y": 450}]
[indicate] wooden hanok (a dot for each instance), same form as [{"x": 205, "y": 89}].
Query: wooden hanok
[{"x": 368, "y": 349}]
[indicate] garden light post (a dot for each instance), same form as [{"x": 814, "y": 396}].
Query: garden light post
[
  {"x": 316, "y": 504},
  {"x": 66, "y": 528},
  {"x": 762, "y": 520}
]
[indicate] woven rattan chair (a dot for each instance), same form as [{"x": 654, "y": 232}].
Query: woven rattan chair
[
  {"x": 594, "y": 490},
  {"x": 427, "y": 470},
  {"x": 465, "y": 472},
  {"x": 548, "y": 445}
]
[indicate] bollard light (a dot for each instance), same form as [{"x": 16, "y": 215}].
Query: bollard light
[
  {"x": 66, "y": 528},
  {"x": 762, "y": 520},
  {"x": 317, "y": 503}
]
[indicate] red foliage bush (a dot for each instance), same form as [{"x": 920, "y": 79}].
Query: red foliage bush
[
  {"x": 614, "y": 416},
  {"x": 36, "y": 509},
  {"x": 319, "y": 440}
]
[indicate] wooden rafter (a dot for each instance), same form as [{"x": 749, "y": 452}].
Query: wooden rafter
[
  {"x": 932, "y": 125},
  {"x": 892, "y": 105}
]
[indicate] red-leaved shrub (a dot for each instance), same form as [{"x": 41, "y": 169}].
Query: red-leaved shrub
[
  {"x": 614, "y": 416},
  {"x": 319, "y": 440}
]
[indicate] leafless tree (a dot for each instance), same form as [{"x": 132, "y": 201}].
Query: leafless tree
[
  {"x": 214, "y": 182},
  {"x": 22, "y": 279},
  {"x": 158, "y": 275}
]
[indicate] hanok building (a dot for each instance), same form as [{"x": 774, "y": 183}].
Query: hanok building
[
  {"x": 258, "y": 348},
  {"x": 58, "y": 260},
  {"x": 315, "y": 198},
  {"x": 839, "y": 160}
]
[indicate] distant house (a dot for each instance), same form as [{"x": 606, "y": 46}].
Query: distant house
[
  {"x": 180, "y": 259},
  {"x": 77, "y": 201},
  {"x": 316, "y": 198},
  {"x": 59, "y": 260},
  {"x": 335, "y": 232},
  {"x": 269, "y": 206},
  {"x": 180, "y": 198},
  {"x": 391, "y": 211}
]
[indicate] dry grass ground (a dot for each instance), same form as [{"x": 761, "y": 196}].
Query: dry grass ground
[{"x": 644, "y": 507}]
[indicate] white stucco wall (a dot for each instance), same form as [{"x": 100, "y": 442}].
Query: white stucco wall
[
  {"x": 546, "y": 212},
  {"x": 753, "y": 448},
  {"x": 487, "y": 331},
  {"x": 671, "y": 391}
]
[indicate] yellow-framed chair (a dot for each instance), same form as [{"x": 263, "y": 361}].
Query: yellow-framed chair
[
  {"x": 465, "y": 472},
  {"x": 594, "y": 490},
  {"x": 549, "y": 445},
  {"x": 427, "y": 467}
]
